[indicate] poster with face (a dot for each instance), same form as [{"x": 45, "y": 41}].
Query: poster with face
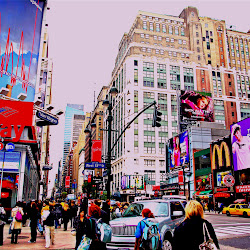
[
  {"x": 196, "y": 106},
  {"x": 240, "y": 134},
  {"x": 178, "y": 149}
]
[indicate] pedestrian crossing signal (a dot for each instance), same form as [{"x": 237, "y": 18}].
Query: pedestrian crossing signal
[{"x": 156, "y": 118}]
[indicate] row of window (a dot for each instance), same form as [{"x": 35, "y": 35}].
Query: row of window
[{"x": 161, "y": 51}]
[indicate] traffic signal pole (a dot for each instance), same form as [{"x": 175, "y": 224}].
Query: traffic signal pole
[{"x": 110, "y": 149}]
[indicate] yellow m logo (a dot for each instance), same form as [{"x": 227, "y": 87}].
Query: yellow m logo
[{"x": 219, "y": 150}]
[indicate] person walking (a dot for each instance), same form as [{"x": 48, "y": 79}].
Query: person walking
[
  {"x": 49, "y": 224},
  {"x": 16, "y": 214},
  {"x": 58, "y": 215},
  {"x": 2, "y": 223},
  {"x": 148, "y": 217},
  {"x": 65, "y": 215},
  {"x": 33, "y": 215},
  {"x": 104, "y": 215},
  {"x": 73, "y": 212},
  {"x": 189, "y": 234},
  {"x": 82, "y": 227}
]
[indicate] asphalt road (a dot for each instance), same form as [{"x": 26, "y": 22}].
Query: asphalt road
[{"x": 233, "y": 232}]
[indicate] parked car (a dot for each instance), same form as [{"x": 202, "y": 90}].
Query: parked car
[
  {"x": 168, "y": 212},
  {"x": 237, "y": 209}
]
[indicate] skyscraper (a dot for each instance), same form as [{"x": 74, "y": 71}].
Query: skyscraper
[{"x": 71, "y": 111}]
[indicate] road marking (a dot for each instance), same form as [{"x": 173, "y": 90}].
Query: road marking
[{"x": 237, "y": 230}]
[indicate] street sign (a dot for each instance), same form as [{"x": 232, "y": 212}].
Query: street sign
[
  {"x": 45, "y": 167},
  {"x": 10, "y": 147},
  {"x": 97, "y": 179},
  {"x": 228, "y": 180},
  {"x": 104, "y": 173},
  {"x": 1, "y": 146},
  {"x": 46, "y": 117},
  {"x": 94, "y": 165},
  {"x": 67, "y": 181}
]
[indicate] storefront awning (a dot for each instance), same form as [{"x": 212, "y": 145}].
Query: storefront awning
[
  {"x": 217, "y": 195},
  {"x": 205, "y": 192}
]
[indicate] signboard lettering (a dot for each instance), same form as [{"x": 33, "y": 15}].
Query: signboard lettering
[{"x": 242, "y": 189}]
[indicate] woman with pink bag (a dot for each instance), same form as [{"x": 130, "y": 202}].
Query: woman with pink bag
[{"x": 16, "y": 225}]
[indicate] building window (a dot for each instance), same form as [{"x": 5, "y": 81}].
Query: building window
[
  {"x": 151, "y": 27},
  {"x": 145, "y": 25},
  {"x": 199, "y": 57},
  {"x": 230, "y": 93},
  {"x": 172, "y": 40},
  {"x": 198, "y": 41},
  {"x": 232, "y": 104},
  {"x": 170, "y": 29},
  {"x": 176, "y": 30},
  {"x": 232, "y": 114},
  {"x": 197, "y": 34}
]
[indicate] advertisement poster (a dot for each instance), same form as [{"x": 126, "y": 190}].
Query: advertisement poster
[
  {"x": 20, "y": 42},
  {"x": 11, "y": 161},
  {"x": 178, "y": 150},
  {"x": 196, "y": 106},
  {"x": 240, "y": 134},
  {"x": 96, "y": 151}
]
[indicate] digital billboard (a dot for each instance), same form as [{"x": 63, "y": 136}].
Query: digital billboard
[
  {"x": 221, "y": 153},
  {"x": 240, "y": 135},
  {"x": 196, "y": 106},
  {"x": 20, "y": 33},
  {"x": 178, "y": 150}
]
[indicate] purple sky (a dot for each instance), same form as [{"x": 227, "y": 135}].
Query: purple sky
[{"x": 84, "y": 38}]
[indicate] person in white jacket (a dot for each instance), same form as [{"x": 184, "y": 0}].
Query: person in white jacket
[{"x": 16, "y": 225}]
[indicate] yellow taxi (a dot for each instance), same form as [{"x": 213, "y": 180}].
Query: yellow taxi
[{"x": 237, "y": 209}]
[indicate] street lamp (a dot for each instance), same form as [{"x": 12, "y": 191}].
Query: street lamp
[
  {"x": 88, "y": 132},
  {"x": 108, "y": 104}
]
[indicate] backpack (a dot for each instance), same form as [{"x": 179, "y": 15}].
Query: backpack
[
  {"x": 19, "y": 216},
  {"x": 150, "y": 237},
  {"x": 103, "y": 231}
]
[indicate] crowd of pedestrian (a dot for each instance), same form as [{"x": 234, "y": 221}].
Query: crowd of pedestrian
[{"x": 43, "y": 217}]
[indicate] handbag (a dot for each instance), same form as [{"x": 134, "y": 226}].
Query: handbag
[
  {"x": 10, "y": 230},
  {"x": 207, "y": 244},
  {"x": 85, "y": 243},
  {"x": 73, "y": 232}
]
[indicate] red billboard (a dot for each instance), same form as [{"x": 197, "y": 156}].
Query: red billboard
[
  {"x": 96, "y": 151},
  {"x": 181, "y": 177},
  {"x": 242, "y": 189},
  {"x": 67, "y": 181},
  {"x": 16, "y": 115}
]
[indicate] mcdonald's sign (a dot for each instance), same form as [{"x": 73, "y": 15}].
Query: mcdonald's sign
[{"x": 221, "y": 153}]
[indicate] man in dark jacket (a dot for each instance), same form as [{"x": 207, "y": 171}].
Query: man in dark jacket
[{"x": 49, "y": 227}]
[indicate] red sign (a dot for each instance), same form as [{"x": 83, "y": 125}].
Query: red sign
[
  {"x": 16, "y": 115},
  {"x": 67, "y": 181},
  {"x": 242, "y": 189},
  {"x": 8, "y": 184},
  {"x": 180, "y": 177},
  {"x": 221, "y": 195},
  {"x": 96, "y": 151},
  {"x": 181, "y": 192},
  {"x": 228, "y": 180},
  {"x": 5, "y": 194},
  {"x": 1, "y": 146},
  {"x": 17, "y": 179},
  {"x": 89, "y": 178}
]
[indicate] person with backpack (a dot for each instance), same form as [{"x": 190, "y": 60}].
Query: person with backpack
[
  {"x": 147, "y": 232},
  {"x": 95, "y": 215},
  {"x": 16, "y": 226}
]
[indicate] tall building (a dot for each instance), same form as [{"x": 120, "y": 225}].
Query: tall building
[
  {"x": 160, "y": 55},
  {"x": 74, "y": 119},
  {"x": 71, "y": 110}
]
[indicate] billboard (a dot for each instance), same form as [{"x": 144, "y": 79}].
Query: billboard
[
  {"x": 132, "y": 181},
  {"x": 96, "y": 151},
  {"x": 20, "y": 32},
  {"x": 240, "y": 135},
  {"x": 196, "y": 106},
  {"x": 220, "y": 152},
  {"x": 10, "y": 161},
  {"x": 178, "y": 150}
]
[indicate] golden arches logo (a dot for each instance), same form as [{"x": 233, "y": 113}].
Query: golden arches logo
[{"x": 219, "y": 150}]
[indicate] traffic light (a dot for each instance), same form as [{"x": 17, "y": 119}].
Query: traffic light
[{"x": 156, "y": 118}]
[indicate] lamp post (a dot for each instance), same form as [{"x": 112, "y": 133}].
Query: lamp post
[
  {"x": 88, "y": 131},
  {"x": 108, "y": 105}
]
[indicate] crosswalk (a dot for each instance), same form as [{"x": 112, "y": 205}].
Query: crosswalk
[{"x": 226, "y": 231}]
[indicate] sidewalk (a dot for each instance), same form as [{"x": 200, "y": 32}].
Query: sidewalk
[{"x": 63, "y": 240}]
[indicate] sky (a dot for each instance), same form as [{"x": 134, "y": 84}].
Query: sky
[{"x": 83, "y": 43}]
